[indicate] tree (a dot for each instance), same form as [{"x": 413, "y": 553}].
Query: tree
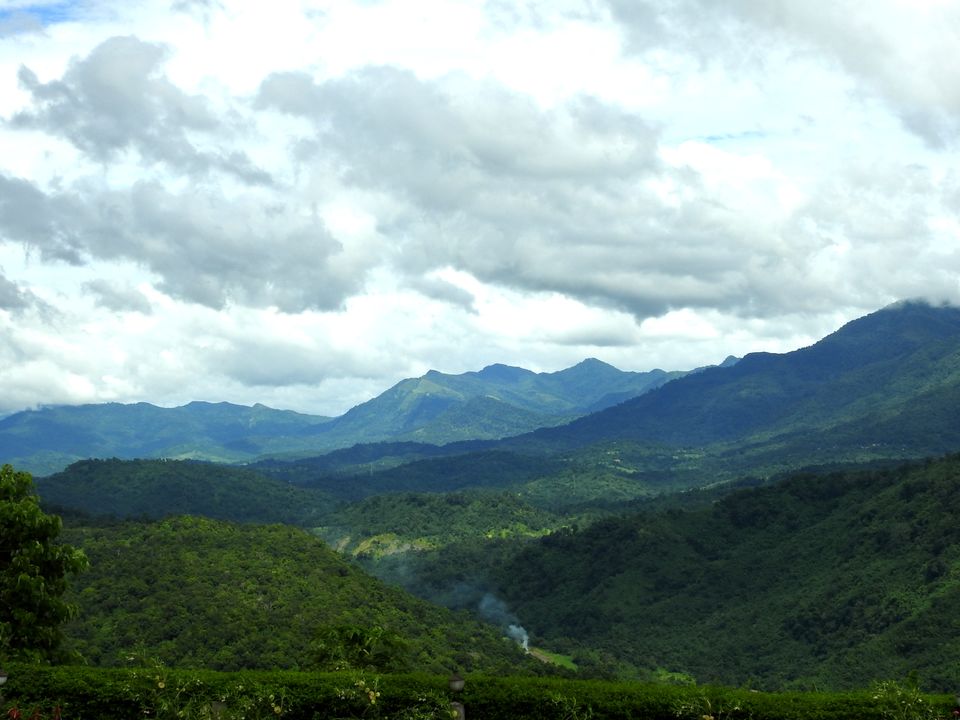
[
  {"x": 33, "y": 571},
  {"x": 351, "y": 647}
]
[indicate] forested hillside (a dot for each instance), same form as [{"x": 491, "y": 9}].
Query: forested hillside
[
  {"x": 159, "y": 488},
  {"x": 195, "y": 592},
  {"x": 882, "y": 381},
  {"x": 388, "y": 524},
  {"x": 828, "y": 580}
]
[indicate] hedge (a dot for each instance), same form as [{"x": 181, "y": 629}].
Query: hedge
[{"x": 85, "y": 693}]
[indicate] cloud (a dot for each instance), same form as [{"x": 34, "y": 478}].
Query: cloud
[
  {"x": 12, "y": 297},
  {"x": 879, "y": 232},
  {"x": 580, "y": 199},
  {"x": 490, "y": 184},
  {"x": 204, "y": 247},
  {"x": 203, "y": 7},
  {"x": 611, "y": 336},
  {"x": 274, "y": 362},
  {"x": 900, "y": 52},
  {"x": 27, "y": 215},
  {"x": 439, "y": 289},
  {"x": 120, "y": 299},
  {"x": 116, "y": 99}
]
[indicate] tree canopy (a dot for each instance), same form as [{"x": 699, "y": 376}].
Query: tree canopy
[{"x": 33, "y": 570}]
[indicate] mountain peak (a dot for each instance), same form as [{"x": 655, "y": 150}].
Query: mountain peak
[
  {"x": 501, "y": 372},
  {"x": 592, "y": 362},
  {"x": 589, "y": 367},
  {"x": 886, "y": 378}
]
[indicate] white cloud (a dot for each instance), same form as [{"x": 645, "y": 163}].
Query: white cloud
[{"x": 301, "y": 203}]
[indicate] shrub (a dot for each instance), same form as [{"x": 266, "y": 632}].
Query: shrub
[{"x": 155, "y": 691}]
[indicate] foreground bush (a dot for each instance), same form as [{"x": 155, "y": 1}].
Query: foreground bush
[{"x": 156, "y": 692}]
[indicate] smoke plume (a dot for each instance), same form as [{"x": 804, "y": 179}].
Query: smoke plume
[{"x": 494, "y": 610}]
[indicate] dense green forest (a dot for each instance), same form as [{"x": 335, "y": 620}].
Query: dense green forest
[
  {"x": 158, "y": 488},
  {"x": 825, "y": 579},
  {"x": 388, "y": 524},
  {"x": 195, "y": 592},
  {"x": 820, "y": 580},
  {"x": 177, "y": 694}
]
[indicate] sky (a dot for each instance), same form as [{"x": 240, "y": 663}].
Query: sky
[{"x": 302, "y": 203}]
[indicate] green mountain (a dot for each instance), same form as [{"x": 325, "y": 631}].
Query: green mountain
[
  {"x": 47, "y": 440},
  {"x": 885, "y": 381},
  {"x": 827, "y": 580},
  {"x": 160, "y": 488},
  {"x": 480, "y": 469},
  {"x": 496, "y": 402},
  {"x": 395, "y": 523},
  {"x": 882, "y": 387},
  {"x": 885, "y": 386},
  {"x": 195, "y": 592}
]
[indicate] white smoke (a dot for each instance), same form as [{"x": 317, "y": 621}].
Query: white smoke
[
  {"x": 520, "y": 635},
  {"x": 495, "y": 611}
]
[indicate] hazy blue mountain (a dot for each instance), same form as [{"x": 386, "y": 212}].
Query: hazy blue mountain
[
  {"x": 47, "y": 440},
  {"x": 496, "y": 402}
]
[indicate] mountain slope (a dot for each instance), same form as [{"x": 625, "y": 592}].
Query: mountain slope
[
  {"x": 875, "y": 371},
  {"x": 832, "y": 580},
  {"x": 393, "y": 523},
  {"x": 160, "y": 488},
  {"x": 195, "y": 592},
  {"x": 49, "y": 439},
  {"x": 496, "y": 402},
  {"x": 885, "y": 386}
]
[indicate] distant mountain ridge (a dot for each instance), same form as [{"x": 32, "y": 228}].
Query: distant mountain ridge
[
  {"x": 498, "y": 401},
  {"x": 890, "y": 377},
  {"x": 48, "y": 439},
  {"x": 161, "y": 488},
  {"x": 885, "y": 386}
]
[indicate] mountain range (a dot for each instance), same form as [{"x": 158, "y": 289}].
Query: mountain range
[
  {"x": 886, "y": 378},
  {"x": 884, "y": 386},
  {"x": 496, "y": 402}
]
